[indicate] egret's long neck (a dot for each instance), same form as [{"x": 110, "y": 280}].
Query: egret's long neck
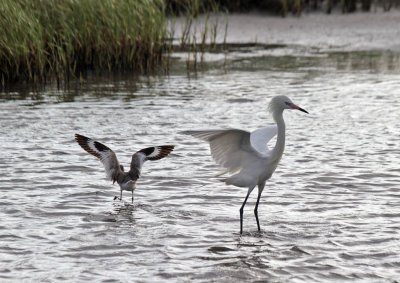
[{"x": 280, "y": 141}]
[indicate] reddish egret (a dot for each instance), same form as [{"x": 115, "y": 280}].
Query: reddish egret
[{"x": 246, "y": 155}]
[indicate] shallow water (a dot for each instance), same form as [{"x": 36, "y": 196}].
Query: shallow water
[{"x": 330, "y": 212}]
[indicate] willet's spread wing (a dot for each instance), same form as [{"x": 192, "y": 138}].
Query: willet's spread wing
[
  {"x": 150, "y": 153},
  {"x": 233, "y": 148},
  {"x": 102, "y": 152},
  {"x": 156, "y": 152}
]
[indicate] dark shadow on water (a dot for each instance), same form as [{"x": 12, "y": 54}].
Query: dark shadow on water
[
  {"x": 227, "y": 47},
  {"x": 122, "y": 206},
  {"x": 255, "y": 234},
  {"x": 247, "y": 58},
  {"x": 219, "y": 250},
  {"x": 123, "y": 211},
  {"x": 299, "y": 250}
]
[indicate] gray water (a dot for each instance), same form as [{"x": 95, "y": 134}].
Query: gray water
[{"x": 330, "y": 212}]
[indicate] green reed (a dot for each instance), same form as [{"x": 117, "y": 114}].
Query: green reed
[
  {"x": 199, "y": 33},
  {"x": 47, "y": 40},
  {"x": 41, "y": 40}
]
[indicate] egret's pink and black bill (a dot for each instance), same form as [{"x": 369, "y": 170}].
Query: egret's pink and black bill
[
  {"x": 301, "y": 109},
  {"x": 294, "y": 106}
]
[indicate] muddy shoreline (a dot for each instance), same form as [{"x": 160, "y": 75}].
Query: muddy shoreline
[{"x": 335, "y": 32}]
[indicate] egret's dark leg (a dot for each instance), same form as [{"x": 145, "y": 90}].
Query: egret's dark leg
[
  {"x": 241, "y": 212},
  {"x": 260, "y": 189},
  {"x": 256, "y": 210}
]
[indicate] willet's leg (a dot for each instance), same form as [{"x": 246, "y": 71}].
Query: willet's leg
[
  {"x": 120, "y": 196},
  {"x": 132, "y": 196}
]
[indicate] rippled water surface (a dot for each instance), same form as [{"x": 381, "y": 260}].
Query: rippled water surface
[{"x": 330, "y": 212}]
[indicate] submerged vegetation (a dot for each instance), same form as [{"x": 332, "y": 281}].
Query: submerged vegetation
[{"x": 56, "y": 40}]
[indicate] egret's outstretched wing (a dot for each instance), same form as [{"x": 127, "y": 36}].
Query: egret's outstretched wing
[
  {"x": 260, "y": 137},
  {"x": 102, "y": 152},
  {"x": 230, "y": 148},
  {"x": 150, "y": 153}
]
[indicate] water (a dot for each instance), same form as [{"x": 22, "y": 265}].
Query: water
[{"x": 330, "y": 212}]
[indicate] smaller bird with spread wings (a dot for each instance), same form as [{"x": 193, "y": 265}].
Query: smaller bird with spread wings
[{"x": 115, "y": 171}]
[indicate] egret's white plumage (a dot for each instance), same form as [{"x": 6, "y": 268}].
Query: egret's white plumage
[
  {"x": 246, "y": 154},
  {"x": 115, "y": 171}
]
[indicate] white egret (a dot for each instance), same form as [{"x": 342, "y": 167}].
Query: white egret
[
  {"x": 246, "y": 155},
  {"x": 115, "y": 171}
]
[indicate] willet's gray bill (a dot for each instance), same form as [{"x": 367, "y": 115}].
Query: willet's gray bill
[
  {"x": 246, "y": 155},
  {"x": 115, "y": 172}
]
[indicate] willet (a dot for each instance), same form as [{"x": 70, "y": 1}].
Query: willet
[
  {"x": 246, "y": 154},
  {"x": 115, "y": 171}
]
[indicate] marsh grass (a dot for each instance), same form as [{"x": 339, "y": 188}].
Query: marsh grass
[
  {"x": 57, "y": 40},
  {"x": 199, "y": 33},
  {"x": 42, "y": 40},
  {"x": 197, "y": 43}
]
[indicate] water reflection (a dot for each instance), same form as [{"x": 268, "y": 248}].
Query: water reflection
[
  {"x": 129, "y": 85},
  {"x": 329, "y": 213}
]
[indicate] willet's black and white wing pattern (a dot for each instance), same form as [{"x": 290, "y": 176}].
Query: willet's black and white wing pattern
[
  {"x": 156, "y": 152},
  {"x": 150, "y": 153},
  {"x": 102, "y": 152}
]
